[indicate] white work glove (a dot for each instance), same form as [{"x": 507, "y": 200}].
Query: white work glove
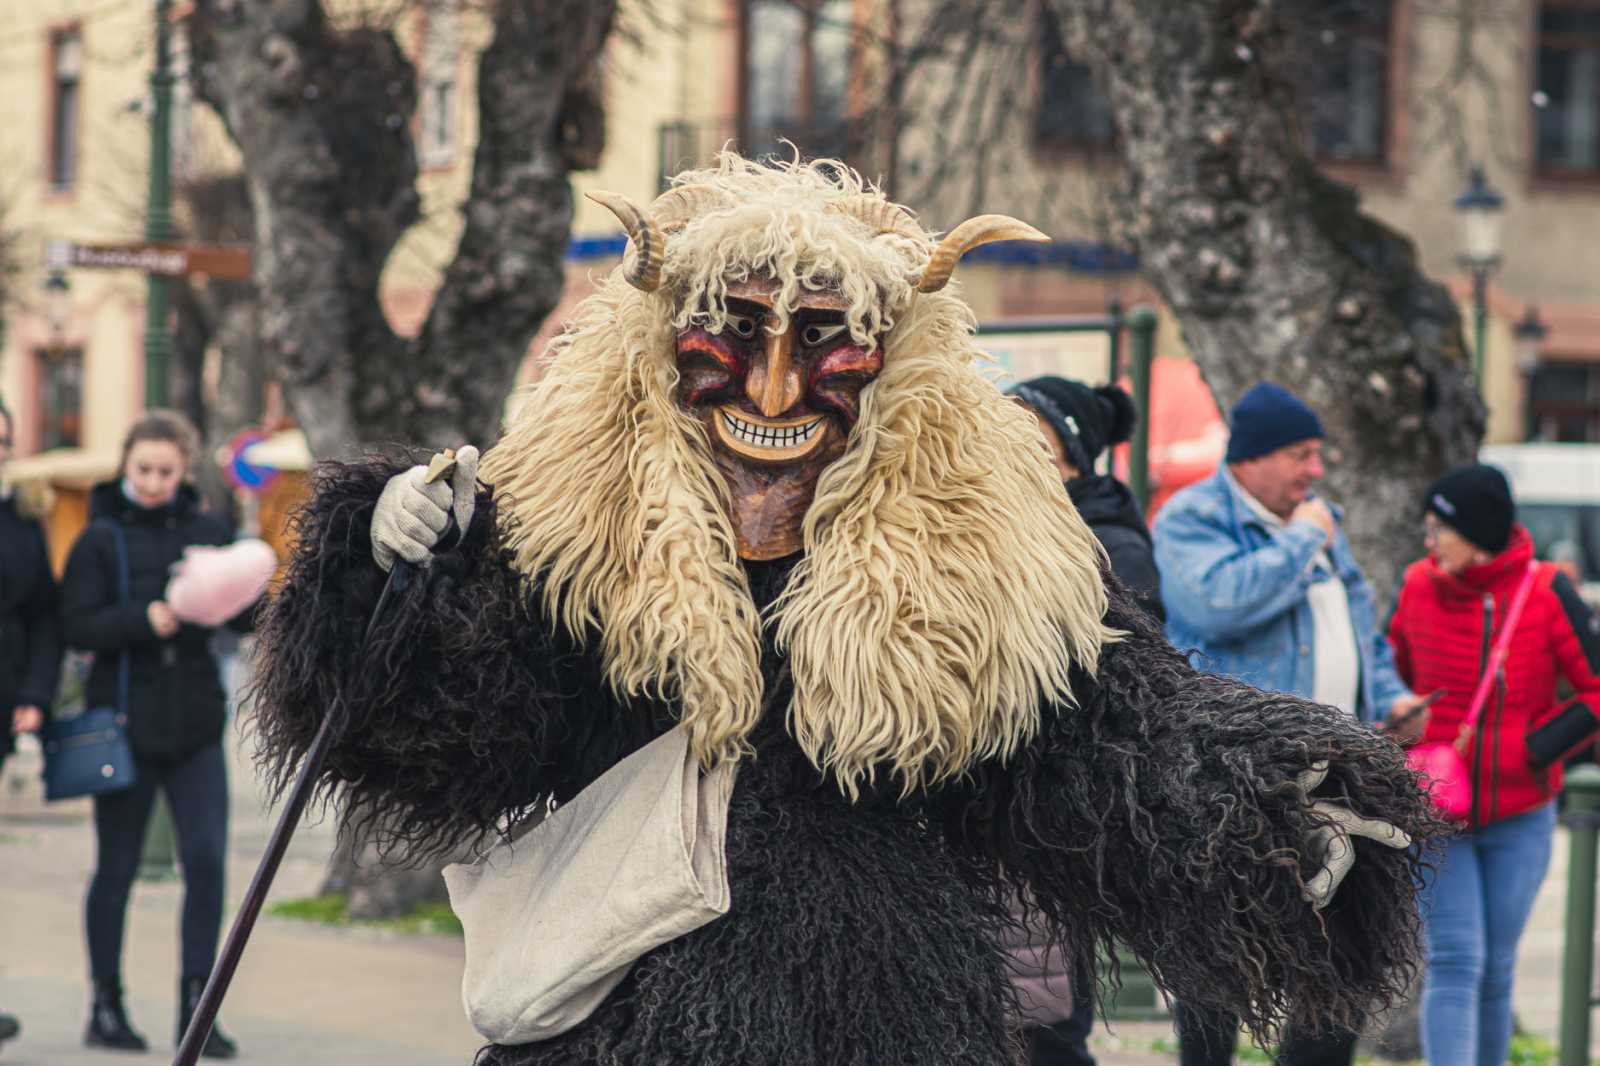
[
  {"x": 412, "y": 515},
  {"x": 1330, "y": 843}
]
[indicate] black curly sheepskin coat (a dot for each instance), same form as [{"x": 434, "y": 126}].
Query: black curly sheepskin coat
[{"x": 1160, "y": 813}]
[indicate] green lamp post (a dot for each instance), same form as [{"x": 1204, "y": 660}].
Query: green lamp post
[
  {"x": 158, "y": 225},
  {"x": 1480, "y": 210},
  {"x": 158, "y": 862}
]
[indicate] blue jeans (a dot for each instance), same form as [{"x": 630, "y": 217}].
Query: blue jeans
[{"x": 1475, "y": 907}]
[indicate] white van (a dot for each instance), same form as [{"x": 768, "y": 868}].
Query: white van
[{"x": 1557, "y": 489}]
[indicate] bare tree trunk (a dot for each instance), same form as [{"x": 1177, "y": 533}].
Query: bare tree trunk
[
  {"x": 322, "y": 118},
  {"x": 1271, "y": 267},
  {"x": 219, "y": 376},
  {"x": 217, "y": 321},
  {"x": 376, "y": 888}
]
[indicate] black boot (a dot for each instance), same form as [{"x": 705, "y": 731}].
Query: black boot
[
  {"x": 218, "y": 1045},
  {"x": 108, "y": 1022}
]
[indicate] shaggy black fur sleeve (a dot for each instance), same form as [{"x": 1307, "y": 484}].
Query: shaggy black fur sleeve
[
  {"x": 1161, "y": 813},
  {"x": 461, "y": 713}
]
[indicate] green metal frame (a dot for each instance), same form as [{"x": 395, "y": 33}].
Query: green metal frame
[
  {"x": 1136, "y": 999},
  {"x": 1582, "y": 818},
  {"x": 1140, "y": 324}
]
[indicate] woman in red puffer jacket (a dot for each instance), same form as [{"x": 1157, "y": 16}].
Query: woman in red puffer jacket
[{"x": 1452, "y": 611}]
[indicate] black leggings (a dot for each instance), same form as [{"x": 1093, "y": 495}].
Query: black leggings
[
  {"x": 1207, "y": 1038},
  {"x": 197, "y": 791}
]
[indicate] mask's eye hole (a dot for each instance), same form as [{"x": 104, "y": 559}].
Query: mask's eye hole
[
  {"x": 743, "y": 325},
  {"x": 821, "y": 333}
]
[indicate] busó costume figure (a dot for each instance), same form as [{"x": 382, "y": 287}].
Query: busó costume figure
[{"x": 765, "y": 491}]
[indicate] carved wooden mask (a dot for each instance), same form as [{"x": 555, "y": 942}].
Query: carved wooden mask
[{"x": 777, "y": 407}]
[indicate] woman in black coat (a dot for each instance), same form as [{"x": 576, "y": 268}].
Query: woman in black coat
[
  {"x": 30, "y": 637},
  {"x": 174, "y": 703}
]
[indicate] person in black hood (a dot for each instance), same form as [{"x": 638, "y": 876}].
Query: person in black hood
[
  {"x": 30, "y": 637},
  {"x": 30, "y": 634},
  {"x": 1080, "y": 422},
  {"x": 174, "y": 704}
]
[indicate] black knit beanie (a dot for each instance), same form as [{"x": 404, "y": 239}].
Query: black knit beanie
[
  {"x": 1088, "y": 420},
  {"x": 1475, "y": 501}
]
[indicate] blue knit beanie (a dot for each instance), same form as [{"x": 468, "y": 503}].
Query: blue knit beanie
[{"x": 1268, "y": 418}]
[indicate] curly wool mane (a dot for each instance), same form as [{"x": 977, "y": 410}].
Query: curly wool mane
[{"x": 948, "y": 584}]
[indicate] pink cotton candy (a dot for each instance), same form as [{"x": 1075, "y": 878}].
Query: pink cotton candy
[{"x": 211, "y": 585}]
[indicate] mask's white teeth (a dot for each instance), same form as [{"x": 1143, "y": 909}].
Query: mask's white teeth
[{"x": 778, "y": 439}]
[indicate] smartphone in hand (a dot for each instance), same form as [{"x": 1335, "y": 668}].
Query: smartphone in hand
[{"x": 1427, "y": 701}]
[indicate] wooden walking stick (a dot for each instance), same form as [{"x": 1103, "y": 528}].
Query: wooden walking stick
[{"x": 205, "y": 1015}]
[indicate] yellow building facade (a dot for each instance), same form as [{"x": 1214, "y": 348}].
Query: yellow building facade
[
  {"x": 74, "y": 130},
  {"x": 690, "y": 75},
  {"x": 1395, "y": 100}
]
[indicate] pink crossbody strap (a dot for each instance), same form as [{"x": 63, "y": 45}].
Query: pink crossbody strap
[{"x": 1502, "y": 647}]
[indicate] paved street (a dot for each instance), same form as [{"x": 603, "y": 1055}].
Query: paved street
[
  {"x": 344, "y": 997},
  {"x": 304, "y": 994}
]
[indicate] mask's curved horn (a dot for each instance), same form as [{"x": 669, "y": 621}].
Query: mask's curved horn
[
  {"x": 675, "y": 207},
  {"x": 646, "y": 235},
  {"x": 881, "y": 215},
  {"x": 967, "y": 236}
]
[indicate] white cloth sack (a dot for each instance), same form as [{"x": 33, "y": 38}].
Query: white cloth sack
[{"x": 554, "y": 920}]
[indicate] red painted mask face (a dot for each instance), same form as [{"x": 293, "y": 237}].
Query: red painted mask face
[{"x": 778, "y": 408}]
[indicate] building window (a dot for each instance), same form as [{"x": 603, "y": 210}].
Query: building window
[
  {"x": 58, "y": 405},
  {"x": 1070, "y": 111},
  {"x": 1567, "y": 100},
  {"x": 441, "y": 52},
  {"x": 1564, "y": 404},
  {"x": 1349, "y": 102},
  {"x": 797, "y": 66},
  {"x": 66, "y": 63}
]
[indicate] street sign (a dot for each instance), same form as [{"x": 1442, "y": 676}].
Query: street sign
[
  {"x": 241, "y": 473},
  {"x": 227, "y": 262}
]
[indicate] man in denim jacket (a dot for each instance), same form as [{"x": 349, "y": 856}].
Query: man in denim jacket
[{"x": 1259, "y": 584}]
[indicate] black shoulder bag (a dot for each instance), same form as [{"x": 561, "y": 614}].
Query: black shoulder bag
[{"x": 88, "y": 754}]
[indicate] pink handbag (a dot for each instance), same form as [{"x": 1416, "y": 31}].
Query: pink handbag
[
  {"x": 1444, "y": 773},
  {"x": 1442, "y": 769}
]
